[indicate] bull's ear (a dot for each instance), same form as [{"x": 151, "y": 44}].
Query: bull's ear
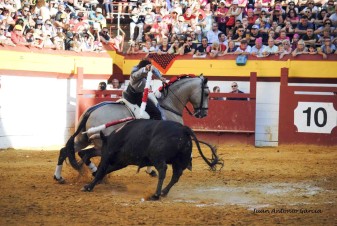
[
  {"x": 205, "y": 80},
  {"x": 103, "y": 137}
]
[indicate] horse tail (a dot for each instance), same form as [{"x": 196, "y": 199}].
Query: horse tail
[
  {"x": 69, "y": 147},
  {"x": 214, "y": 161}
]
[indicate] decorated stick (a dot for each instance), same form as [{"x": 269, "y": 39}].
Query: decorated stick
[
  {"x": 96, "y": 129},
  {"x": 145, "y": 93}
]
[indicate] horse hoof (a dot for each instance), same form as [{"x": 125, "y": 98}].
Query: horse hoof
[
  {"x": 60, "y": 180},
  {"x": 154, "y": 197},
  {"x": 152, "y": 173},
  {"x": 86, "y": 188}
]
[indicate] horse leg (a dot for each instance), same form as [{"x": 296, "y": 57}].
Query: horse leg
[
  {"x": 86, "y": 155},
  {"x": 101, "y": 172},
  {"x": 161, "y": 168},
  {"x": 57, "y": 174},
  {"x": 177, "y": 172}
]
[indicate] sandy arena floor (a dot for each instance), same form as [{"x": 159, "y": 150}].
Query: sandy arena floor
[{"x": 290, "y": 185}]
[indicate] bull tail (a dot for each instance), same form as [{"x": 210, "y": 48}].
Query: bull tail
[{"x": 214, "y": 161}]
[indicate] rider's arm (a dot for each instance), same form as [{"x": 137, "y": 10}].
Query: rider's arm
[{"x": 157, "y": 73}]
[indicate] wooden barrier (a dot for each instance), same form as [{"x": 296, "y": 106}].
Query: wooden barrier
[
  {"x": 234, "y": 118},
  {"x": 230, "y": 118},
  {"x": 307, "y": 113}
]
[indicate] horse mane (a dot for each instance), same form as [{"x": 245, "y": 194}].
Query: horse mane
[{"x": 174, "y": 80}]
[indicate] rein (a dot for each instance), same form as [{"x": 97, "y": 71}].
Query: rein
[{"x": 185, "y": 106}]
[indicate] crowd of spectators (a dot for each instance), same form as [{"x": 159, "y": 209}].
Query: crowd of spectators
[
  {"x": 199, "y": 28},
  {"x": 56, "y": 24},
  {"x": 216, "y": 28}
]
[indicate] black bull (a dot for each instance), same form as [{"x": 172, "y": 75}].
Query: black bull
[{"x": 149, "y": 143}]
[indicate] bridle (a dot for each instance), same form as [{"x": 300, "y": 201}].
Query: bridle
[{"x": 197, "y": 110}]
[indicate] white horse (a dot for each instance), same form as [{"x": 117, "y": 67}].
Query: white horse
[{"x": 174, "y": 97}]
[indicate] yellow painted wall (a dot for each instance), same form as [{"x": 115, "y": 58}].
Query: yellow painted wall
[
  {"x": 266, "y": 68},
  {"x": 56, "y": 63}
]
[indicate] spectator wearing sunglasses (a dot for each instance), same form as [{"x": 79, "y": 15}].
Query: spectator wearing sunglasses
[
  {"x": 330, "y": 7},
  {"x": 310, "y": 6},
  {"x": 235, "y": 89},
  {"x": 188, "y": 48},
  {"x": 327, "y": 25}
]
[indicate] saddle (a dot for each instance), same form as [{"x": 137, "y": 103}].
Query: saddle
[{"x": 134, "y": 109}]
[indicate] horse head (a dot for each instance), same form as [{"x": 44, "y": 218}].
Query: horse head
[
  {"x": 183, "y": 89},
  {"x": 199, "y": 98}
]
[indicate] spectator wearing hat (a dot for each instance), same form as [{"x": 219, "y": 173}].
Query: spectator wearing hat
[
  {"x": 277, "y": 15},
  {"x": 97, "y": 18},
  {"x": 235, "y": 10},
  {"x": 4, "y": 40},
  {"x": 243, "y": 48},
  {"x": 258, "y": 49},
  {"x": 254, "y": 34},
  {"x": 17, "y": 36}
]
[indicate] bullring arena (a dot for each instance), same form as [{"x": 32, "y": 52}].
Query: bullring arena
[
  {"x": 288, "y": 185},
  {"x": 279, "y": 147}
]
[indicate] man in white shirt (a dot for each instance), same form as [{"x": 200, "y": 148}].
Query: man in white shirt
[{"x": 212, "y": 35}]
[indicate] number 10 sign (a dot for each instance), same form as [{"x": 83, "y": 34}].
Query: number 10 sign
[{"x": 313, "y": 117}]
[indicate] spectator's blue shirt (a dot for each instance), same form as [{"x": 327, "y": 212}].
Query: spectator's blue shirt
[{"x": 300, "y": 26}]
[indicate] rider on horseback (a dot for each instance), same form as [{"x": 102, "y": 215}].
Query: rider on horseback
[{"x": 135, "y": 89}]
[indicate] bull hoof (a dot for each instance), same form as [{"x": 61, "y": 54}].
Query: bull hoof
[
  {"x": 152, "y": 173},
  {"x": 86, "y": 188},
  {"x": 154, "y": 197},
  {"x": 60, "y": 180}
]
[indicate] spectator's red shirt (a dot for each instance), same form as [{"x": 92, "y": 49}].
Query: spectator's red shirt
[{"x": 17, "y": 39}]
